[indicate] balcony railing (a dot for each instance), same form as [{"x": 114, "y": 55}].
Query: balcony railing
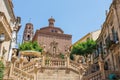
[{"x": 55, "y": 63}]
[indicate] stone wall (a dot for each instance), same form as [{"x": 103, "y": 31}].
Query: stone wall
[
  {"x": 62, "y": 42},
  {"x": 57, "y": 75}
]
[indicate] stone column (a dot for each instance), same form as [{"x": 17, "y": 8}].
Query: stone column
[
  {"x": 21, "y": 62},
  {"x": 80, "y": 74},
  {"x": 101, "y": 65},
  {"x": 43, "y": 56},
  {"x": 67, "y": 61},
  {"x": 36, "y": 71},
  {"x": 12, "y": 65}
]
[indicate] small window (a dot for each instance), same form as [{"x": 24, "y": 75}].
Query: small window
[
  {"x": 52, "y": 30},
  {"x": 28, "y": 37},
  {"x": 106, "y": 66}
]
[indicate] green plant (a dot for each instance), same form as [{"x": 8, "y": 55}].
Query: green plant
[
  {"x": 1, "y": 70},
  {"x": 62, "y": 56},
  {"x": 84, "y": 48},
  {"x": 30, "y": 46},
  {"x": 71, "y": 56}
]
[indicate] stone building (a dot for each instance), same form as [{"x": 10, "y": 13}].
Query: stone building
[
  {"x": 43, "y": 66},
  {"x": 92, "y": 35},
  {"x": 9, "y": 26},
  {"x": 53, "y": 38},
  {"x": 109, "y": 39},
  {"x": 28, "y": 32},
  {"x": 107, "y": 54}
]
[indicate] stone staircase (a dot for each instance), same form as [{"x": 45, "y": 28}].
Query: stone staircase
[
  {"x": 20, "y": 70},
  {"x": 22, "y": 75},
  {"x": 25, "y": 72},
  {"x": 53, "y": 63}
]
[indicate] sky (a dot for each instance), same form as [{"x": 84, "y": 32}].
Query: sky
[{"x": 75, "y": 17}]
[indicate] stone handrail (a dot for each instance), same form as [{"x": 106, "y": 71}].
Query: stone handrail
[
  {"x": 54, "y": 63},
  {"x": 29, "y": 67},
  {"x": 93, "y": 76},
  {"x": 17, "y": 64},
  {"x": 74, "y": 66},
  {"x": 22, "y": 75}
]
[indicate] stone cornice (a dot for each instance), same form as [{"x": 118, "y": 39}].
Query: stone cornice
[
  {"x": 9, "y": 6},
  {"x": 55, "y": 34},
  {"x": 52, "y": 28}
]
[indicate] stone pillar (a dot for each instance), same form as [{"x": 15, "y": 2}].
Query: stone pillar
[
  {"x": 43, "y": 56},
  {"x": 67, "y": 61},
  {"x": 21, "y": 62},
  {"x": 36, "y": 71},
  {"x": 11, "y": 69},
  {"x": 43, "y": 61},
  {"x": 101, "y": 65},
  {"x": 80, "y": 74},
  {"x": 12, "y": 63}
]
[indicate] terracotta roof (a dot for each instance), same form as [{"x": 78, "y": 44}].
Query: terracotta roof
[{"x": 47, "y": 27}]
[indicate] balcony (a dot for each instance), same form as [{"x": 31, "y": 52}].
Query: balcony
[
  {"x": 113, "y": 44},
  {"x": 5, "y": 27}
]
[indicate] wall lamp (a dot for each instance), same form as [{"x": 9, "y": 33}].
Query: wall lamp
[{"x": 2, "y": 37}]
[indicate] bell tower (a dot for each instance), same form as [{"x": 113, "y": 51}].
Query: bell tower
[
  {"x": 28, "y": 32},
  {"x": 51, "y": 22}
]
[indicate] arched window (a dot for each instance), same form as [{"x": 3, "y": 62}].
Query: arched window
[
  {"x": 52, "y": 30},
  {"x": 28, "y": 37},
  {"x": 29, "y": 27},
  {"x": 106, "y": 66}
]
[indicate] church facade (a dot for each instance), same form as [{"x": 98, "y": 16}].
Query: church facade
[{"x": 53, "y": 38}]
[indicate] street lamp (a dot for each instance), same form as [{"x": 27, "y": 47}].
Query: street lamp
[{"x": 2, "y": 38}]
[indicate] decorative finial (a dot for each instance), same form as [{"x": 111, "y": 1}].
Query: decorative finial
[{"x": 51, "y": 22}]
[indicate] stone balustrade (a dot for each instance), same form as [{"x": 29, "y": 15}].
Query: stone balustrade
[
  {"x": 22, "y": 75},
  {"x": 17, "y": 64},
  {"x": 55, "y": 63},
  {"x": 23, "y": 72},
  {"x": 29, "y": 67},
  {"x": 93, "y": 76},
  {"x": 75, "y": 66}
]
